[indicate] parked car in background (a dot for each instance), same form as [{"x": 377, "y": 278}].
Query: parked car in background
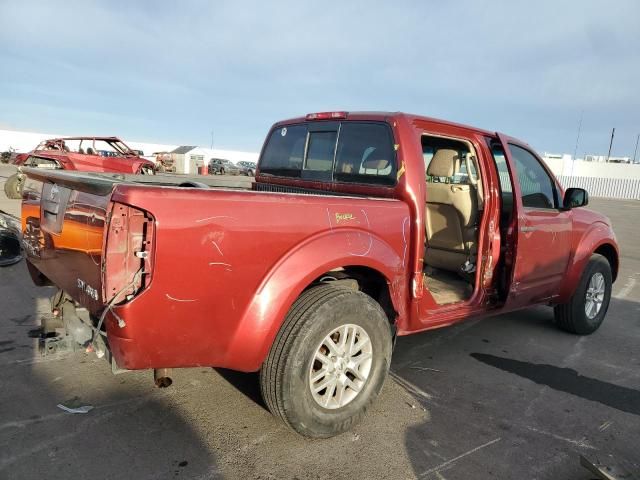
[
  {"x": 88, "y": 154},
  {"x": 247, "y": 168},
  {"x": 221, "y": 166}
]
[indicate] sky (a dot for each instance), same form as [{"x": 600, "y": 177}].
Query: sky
[{"x": 174, "y": 72}]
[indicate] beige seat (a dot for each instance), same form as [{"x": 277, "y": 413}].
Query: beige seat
[{"x": 451, "y": 215}]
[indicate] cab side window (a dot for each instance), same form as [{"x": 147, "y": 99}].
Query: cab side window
[
  {"x": 365, "y": 154},
  {"x": 537, "y": 188}
]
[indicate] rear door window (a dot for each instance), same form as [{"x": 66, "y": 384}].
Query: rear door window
[{"x": 506, "y": 191}]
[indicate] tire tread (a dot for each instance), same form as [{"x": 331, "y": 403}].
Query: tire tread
[
  {"x": 270, "y": 381},
  {"x": 568, "y": 316}
]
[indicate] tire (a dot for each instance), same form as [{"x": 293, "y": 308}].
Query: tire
[
  {"x": 572, "y": 316},
  {"x": 222, "y": 171},
  {"x": 285, "y": 374},
  {"x": 250, "y": 173},
  {"x": 13, "y": 186}
]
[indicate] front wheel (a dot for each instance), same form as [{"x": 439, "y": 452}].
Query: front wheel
[
  {"x": 328, "y": 361},
  {"x": 585, "y": 312}
]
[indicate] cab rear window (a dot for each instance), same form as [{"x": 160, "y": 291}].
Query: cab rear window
[{"x": 355, "y": 152}]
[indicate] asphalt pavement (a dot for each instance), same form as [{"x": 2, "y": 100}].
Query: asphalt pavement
[{"x": 507, "y": 397}]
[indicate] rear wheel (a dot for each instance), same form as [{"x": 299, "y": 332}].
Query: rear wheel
[
  {"x": 586, "y": 310},
  {"x": 328, "y": 361},
  {"x": 13, "y": 186}
]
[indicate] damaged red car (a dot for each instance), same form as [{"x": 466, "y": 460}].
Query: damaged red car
[{"x": 88, "y": 154}]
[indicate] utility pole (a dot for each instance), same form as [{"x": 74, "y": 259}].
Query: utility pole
[
  {"x": 636, "y": 150},
  {"x": 613, "y": 132},
  {"x": 211, "y": 139},
  {"x": 575, "y": 151}
]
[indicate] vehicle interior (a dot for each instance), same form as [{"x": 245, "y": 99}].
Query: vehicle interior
[{"x": 454, "y": 208}]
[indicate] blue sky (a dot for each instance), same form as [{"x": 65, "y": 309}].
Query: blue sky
[{"x": 171, "y": 72}]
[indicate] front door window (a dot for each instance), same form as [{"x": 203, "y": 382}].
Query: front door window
[{"x": 536, "y": 187}]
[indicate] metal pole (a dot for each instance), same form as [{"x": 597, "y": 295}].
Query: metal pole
[
  {"x": 636, "y": 150},
  {"x": 575, "y": 151},
  {"x": 613, "y": 132},
  {"x": 211, "y": 139}
]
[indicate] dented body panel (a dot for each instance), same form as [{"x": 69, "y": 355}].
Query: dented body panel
[
  {"x": 196, "y": 276},
  {"x": 222, "y": 302}
]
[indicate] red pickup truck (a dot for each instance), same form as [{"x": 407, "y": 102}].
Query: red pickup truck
[{"x": 358, "y": 227}]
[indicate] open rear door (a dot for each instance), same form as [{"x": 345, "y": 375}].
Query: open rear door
[{"x": 542, "y": 231}]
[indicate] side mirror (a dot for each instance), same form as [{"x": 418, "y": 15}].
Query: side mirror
[{"x": 575, "y": 197}]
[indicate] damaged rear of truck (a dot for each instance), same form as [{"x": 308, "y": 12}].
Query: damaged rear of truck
[
  {"x": 252, "y": 279},
  {"x": 232, "y": 262}
]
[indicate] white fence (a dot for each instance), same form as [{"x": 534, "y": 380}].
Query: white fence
[{"x": 623, "y": 188}]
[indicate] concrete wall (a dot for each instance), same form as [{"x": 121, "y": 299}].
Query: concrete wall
[{"x": 580, "y": 168}]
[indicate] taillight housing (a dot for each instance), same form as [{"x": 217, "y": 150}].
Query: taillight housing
[
  {"x": 127, "y": 261},
  {"x": 326, "y": 116}
]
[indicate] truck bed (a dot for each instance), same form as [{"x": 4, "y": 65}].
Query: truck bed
[{"x": 191, "y": 276}]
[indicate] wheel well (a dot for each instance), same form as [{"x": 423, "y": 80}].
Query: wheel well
[
  {"x": 370, "y": 281},
  {"x": 608, "y": 252}
]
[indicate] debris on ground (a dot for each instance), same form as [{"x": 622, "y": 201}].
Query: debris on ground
[
  {"x": 82, "y": 409},
  {"x": 609, "y": 469},
  {"x": 74, "y": 405}
]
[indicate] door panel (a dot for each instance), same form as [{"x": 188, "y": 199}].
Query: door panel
[
  {"x": 543, "y": 231},
  {"x": 542, "y": 252}
]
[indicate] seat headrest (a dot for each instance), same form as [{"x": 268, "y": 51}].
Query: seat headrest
[
  {"x": 445, "y": 163},
  {"x": 375, "y": 163}
]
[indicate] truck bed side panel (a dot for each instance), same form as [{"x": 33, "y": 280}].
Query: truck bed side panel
[{"x": 214, "y": 252}]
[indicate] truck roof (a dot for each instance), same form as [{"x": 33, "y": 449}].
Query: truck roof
[{"x": 386, "y": 116}]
